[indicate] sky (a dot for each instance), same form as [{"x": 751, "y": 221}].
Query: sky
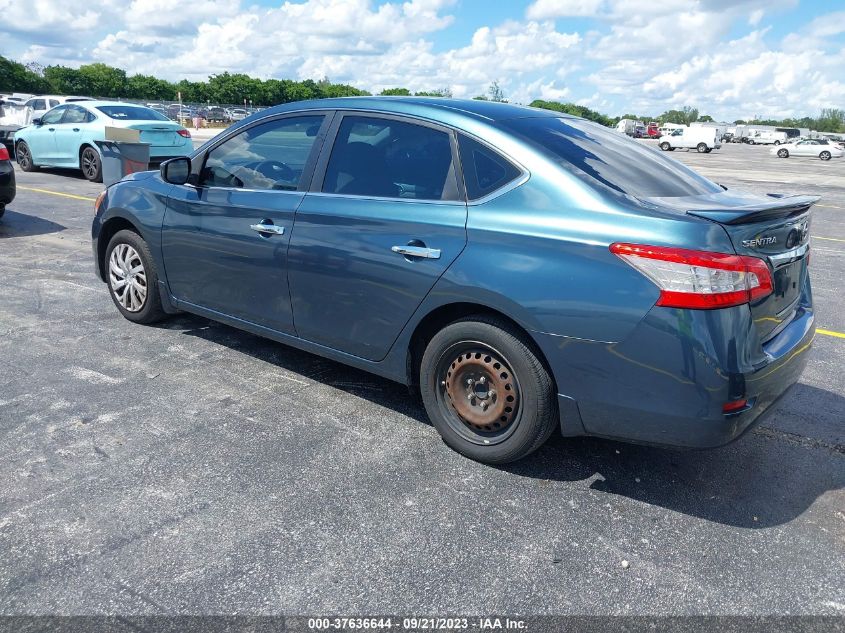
[{"x": 729, "y": 58}]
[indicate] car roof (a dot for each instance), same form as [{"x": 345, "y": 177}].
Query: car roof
[{"x": 433, "y": 107}]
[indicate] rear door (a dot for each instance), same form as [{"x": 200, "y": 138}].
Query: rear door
[
  {"x": 225, "y": 237},
  {"x": 384, "y": 219}
]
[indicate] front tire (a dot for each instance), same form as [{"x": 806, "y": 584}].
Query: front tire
[
  {"x": 24, "y": 157},
  {"x": 825, "y": 155},
  {"x": 486, "y": 390},
  {"x": 702, "y": 148},
  {"x": 132, "y": 278},
  {"x": 782, "y": 153},
  {"x": 91, "y": 165},
  {"x": 665, "y": 146}
]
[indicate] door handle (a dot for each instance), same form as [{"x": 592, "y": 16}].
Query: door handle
[
  {"x": 76, "y": 129},
  {"x": 51, "y": 129},
  {"x": 268, "y": 229},
  {"x": 417, "y": 251}
]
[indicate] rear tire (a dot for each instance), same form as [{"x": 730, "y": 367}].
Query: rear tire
[
  {"x": 701, "y": 147},
  {"x": 486, "y": 390},
  {"x": 24, "y": 157},
  {"x": 665, "y": 146},
  {"x": 825, "y": 155},
  {"x": 782, "y": 153},
  {"x": 90, "y": 164},
  {"x": 132, "y": 278}
]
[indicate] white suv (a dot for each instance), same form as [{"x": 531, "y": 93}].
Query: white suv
[{"x": 37, "y": 107}]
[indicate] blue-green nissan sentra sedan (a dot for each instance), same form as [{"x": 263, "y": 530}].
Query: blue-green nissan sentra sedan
[
  {"x": 65, "y": 136},
  {"x": 525, "y": 271}
]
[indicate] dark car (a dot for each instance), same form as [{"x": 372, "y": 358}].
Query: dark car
[
  {"x": 524, "y": 270},
  {"x": 7, "y": 180}
]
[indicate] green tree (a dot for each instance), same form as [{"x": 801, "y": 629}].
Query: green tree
[
  {"x": 577, "y": 110},
  {"x": 102, "y": 80},
  {"x": 149, "y": 87},
  {"x": 15, "y": 77},
  {"x": 495, "y": 93},
  {"x": 439, "y": 92},
  {"x": 66, "y": 81},
  {"x": 395, "y": 92}
]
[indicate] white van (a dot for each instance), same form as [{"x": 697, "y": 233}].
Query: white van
[
  {"x": 768, "y": 137},
  {"x": 37, "y": 107},
  {"x": 703, "y": 139}
]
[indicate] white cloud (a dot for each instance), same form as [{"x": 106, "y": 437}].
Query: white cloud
[
  {"x": 550, "y": 9},
  {"x": 635, "y": 55}
]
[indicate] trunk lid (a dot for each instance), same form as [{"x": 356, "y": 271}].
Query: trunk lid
[
  {"x": 773, "y": 228},
  {"x": 159, "y": 133}
]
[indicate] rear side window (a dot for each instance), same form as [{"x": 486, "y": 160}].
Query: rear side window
[
  {"x": 386, "y": 158},
  {"x": 271, "y": 155},
  {"x": 609, "y": 159},
  {"x": 485, "y": 170}
]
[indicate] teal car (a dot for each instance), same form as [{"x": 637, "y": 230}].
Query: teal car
[{"x": 66, "y": 136}]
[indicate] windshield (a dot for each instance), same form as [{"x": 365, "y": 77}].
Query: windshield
[
  {"x": 132, "y": 113},
  {"x": 605, "y": 157}
]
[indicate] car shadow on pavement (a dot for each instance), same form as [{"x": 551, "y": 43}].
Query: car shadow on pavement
[
  {"x": 766, "y": 478},
  {"x": 14, "y": 224}
]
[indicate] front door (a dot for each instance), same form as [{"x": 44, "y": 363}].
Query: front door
[
  {"x": 384, "y": 221},
  {"x": 225, "y": 240},
  {"x": 68, "y": 135},
  {"x": 42, "y": 139}
]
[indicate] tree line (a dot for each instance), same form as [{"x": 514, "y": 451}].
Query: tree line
[{"x": 102, "y": 80}]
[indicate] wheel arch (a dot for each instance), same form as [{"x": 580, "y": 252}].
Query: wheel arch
[
  {"x": 109, "y": 229},
  {"x": 439, "y": 317},
  {"x": 82, "y": 148}
]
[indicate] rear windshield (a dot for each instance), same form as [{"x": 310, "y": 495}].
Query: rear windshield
[
  {"x": 609, "y": 158},
  {"x": 132, "y": 113}
]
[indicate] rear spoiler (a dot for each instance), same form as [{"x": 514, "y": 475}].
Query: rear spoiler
[{"x": 780, "y": 206}]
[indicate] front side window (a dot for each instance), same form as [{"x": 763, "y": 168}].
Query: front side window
[
  {"x": 54, "y": 116},
  {"x": 386, "y": 158},
  {"x": 269, "y": 156},
  {"x": 606, "y": 158},
  {"x": 485, "y": 170}
]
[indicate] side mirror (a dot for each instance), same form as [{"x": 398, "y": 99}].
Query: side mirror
[
  {"x": 36, "y": 121},
  {"x": 176, "y": 171}
]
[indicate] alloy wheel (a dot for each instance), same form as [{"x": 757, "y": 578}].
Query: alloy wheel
[
  {"x": 24, "y": 157},
  {"x": 90, "y": 163},
  {"x": 825, "y": 155},
  {"x": 127, "y": 277}
]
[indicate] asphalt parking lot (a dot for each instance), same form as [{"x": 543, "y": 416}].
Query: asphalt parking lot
[{"x": 192, "y": 468}]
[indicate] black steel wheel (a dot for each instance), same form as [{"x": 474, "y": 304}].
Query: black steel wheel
[
  {"x": 91, "y": 165},
  {"x": 24, "y": 157},
  {"x": 486, "y": 390}
]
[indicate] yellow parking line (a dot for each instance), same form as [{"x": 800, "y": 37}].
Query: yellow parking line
[
  {"x": 829, "y": 239},
  {"x": 830, "y": 333},
  {"x": 58, "y": 193}
]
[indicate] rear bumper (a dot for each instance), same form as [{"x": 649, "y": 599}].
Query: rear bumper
[
  {"x": 8, "y": 188},
  {"x": 667, "y": 383}
]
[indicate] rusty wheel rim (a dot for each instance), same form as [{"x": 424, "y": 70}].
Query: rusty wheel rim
[{"x": 480, "y": 391}]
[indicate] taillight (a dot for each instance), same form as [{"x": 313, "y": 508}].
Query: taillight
[
  {"x": 183, "y": 132},
  {"x": 4, "y": 153},
  {"x": 698, "y": 279}
]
